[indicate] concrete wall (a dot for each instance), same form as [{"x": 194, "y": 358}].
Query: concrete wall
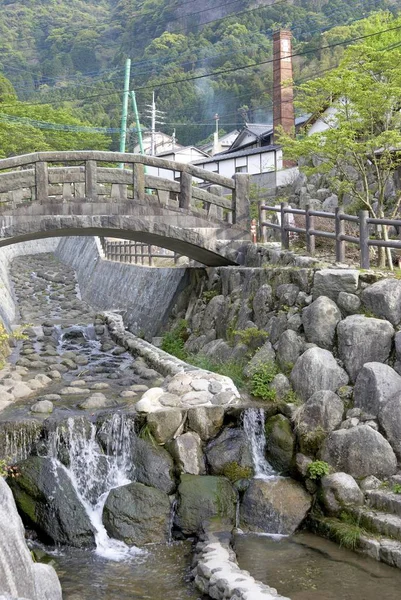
[
  {"x": 144, "y": 295},
  {"x": 8, "y": 311}
]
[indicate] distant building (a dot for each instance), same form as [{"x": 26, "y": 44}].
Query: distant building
[
  {"x": 163, "y": 143},
  {"x": 223, "y": 144}
]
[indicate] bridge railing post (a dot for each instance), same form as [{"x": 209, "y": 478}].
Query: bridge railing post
[
  {"x": 91, "y": 180},
  {"x": 139, "y": 182},
  {"x": 185, "y": 195},
  {"x": 41, "y": 182},
  {"x": 241, "y": 212}
]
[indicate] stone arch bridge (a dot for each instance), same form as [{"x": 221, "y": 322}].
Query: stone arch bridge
[{"x": 142, "y": 198}]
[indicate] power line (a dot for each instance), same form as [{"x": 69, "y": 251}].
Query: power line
[
  {"x": 219, "y": 72},
  {"x": 166, "y": 61}
]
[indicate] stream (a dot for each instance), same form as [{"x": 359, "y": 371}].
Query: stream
[
  {"x": 89, "y": 373},
  {"x": 93, "y": 378}
]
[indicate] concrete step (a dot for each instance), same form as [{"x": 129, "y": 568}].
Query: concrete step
[
  {"x": 385, "y": 524},
  {"x": 381, "y": 549},
  {"x": 385, "y": 501}
]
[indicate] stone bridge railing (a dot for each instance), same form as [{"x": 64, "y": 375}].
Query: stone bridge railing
[{"x": 49, "y": 179}]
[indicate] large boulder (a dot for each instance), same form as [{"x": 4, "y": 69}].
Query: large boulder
[
  {"x": 49, "y": 503},
  {"x": 360, "y": 451},
  {"x": 330, "y": 282},
  {"x": 383, "y": 299},
  {"x": 274, "y": 506},
  {"x": 206, "y": 421},
  {"x": 320, "y": 320},
  {"x": 164, "y": 425},
  {"x": 315, "y": 370},
  {"x": 202, "y": 498},
  {"x": 321, "y": 414},
  {"x": 340, "y": 491},
  {"x": 187, "y": 452},
  {"x": 231, "y": 446},
  {"x": 265, "y": 354},
  {"x": 362, "y": 339},
  {"x": 289, "y": 348},
  {"x": 375, "y": 385},
  {"x": 280, "y": 443},
  {"x": 153, "y": 466},
  {"x": 262, "y": 305},
  {"x": 390, "y": 421},
  {"x": 214, "y": 312},
  {"x": 20, "y": 577},
  {"x": 137, "y": 514}
]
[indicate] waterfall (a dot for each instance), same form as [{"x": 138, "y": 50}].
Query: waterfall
[
  {"x": 94, "y": 473},
  {"x": 171, "y": 520},
  {"x": 254, "y": 428}
]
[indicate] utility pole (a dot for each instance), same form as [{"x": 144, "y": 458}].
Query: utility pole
[
  {"x": 137, "y": 123},
  {"x": 124, "y": 116},
  {"x": 154, "y": 115},
  {"x": 216, "y": 135}
]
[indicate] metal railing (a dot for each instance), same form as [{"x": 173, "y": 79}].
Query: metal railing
[
  {"x": 135, "y": 253},
  {"x": 363, "y": 222}
]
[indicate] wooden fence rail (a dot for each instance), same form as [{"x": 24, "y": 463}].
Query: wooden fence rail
[
  {"x": 362, "y": 221},
  {"x": 134, "y": 253}
]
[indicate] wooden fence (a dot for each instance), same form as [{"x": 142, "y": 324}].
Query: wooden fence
[
  {"x": 363, "y": 222},
  {"x": 134, "y": 253}
]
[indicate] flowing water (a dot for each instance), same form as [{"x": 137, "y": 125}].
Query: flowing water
[
  {"x": 254, "y": 428},
  {"x": 307, "y": 567},
  {"x": 95, "y": 449},
  {"x": 93, "y": 473}
]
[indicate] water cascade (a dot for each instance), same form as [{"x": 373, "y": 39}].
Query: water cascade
[
  {"x": 254, "y": 428},
  {"x": 94, "y": 472}
]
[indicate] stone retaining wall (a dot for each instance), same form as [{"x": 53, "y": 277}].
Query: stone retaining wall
[{"x": 143, "y": 295}]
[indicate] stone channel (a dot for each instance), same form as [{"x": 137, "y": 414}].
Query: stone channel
[{"x": 140, "y": 476}]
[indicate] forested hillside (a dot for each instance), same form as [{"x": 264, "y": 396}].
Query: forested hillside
[{"x": 70, "y": 54}]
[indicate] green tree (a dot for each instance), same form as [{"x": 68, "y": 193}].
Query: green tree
[{"x": 359, "y": 104}]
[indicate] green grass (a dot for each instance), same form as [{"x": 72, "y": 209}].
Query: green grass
[{"x": 232, "y": 369}]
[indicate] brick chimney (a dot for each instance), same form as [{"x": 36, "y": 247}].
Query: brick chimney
[{"x": 283, "y": 93}]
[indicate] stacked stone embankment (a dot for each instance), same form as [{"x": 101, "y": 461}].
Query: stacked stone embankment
[{"x": 334, "y": 335}]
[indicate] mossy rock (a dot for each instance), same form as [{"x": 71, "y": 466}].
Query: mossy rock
[
  {"x": 280, "y": 443},
  {"x": 202, "y": 498}
]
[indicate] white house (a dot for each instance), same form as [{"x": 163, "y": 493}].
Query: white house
[
  {"x": 254, "y": 160},
  {"x": 163, "y": 143}
]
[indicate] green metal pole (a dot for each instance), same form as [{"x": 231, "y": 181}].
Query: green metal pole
[
  {"x": 137, "y": 123},
  {"x": 124, "y": 116}
]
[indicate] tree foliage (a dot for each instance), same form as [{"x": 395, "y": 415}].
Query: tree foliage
[{"x": 71, "y": 55}]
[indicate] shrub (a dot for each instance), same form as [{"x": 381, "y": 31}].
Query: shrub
[
  {"x": 207, "y": 296},
  {"x": 260, "y": 381},
  {"x": 318, "y": 469},
  {"x": 252, "y": 336},
  {"x": 231, "y": 368},
  {"x": 396, "y": 488},
  {"x": 173, "y": 341}
]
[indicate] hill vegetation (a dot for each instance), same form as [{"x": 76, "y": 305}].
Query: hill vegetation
[{"x": 70, "y": 54}]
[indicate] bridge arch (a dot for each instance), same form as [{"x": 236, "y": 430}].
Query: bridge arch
[{"x": 151, "y": 200}]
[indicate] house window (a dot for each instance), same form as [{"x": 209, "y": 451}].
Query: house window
[{"x": 241, "y": 169}]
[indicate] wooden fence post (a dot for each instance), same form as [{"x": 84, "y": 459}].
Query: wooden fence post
[
  {"x": 185, "y": 195},
  {"x": 138, "y": 174},
  {"x": 241, "y": 214},
  {"x": 150, "y": 255},
  {"x": 309, "y": 224},
  {"x": 285, "y": 237},
  {"x": 340, "y": 231},
  {"x": 364, "y": 239},
  {"x": 41, "y": 182},
  {"x": 91, "y": 180}
]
